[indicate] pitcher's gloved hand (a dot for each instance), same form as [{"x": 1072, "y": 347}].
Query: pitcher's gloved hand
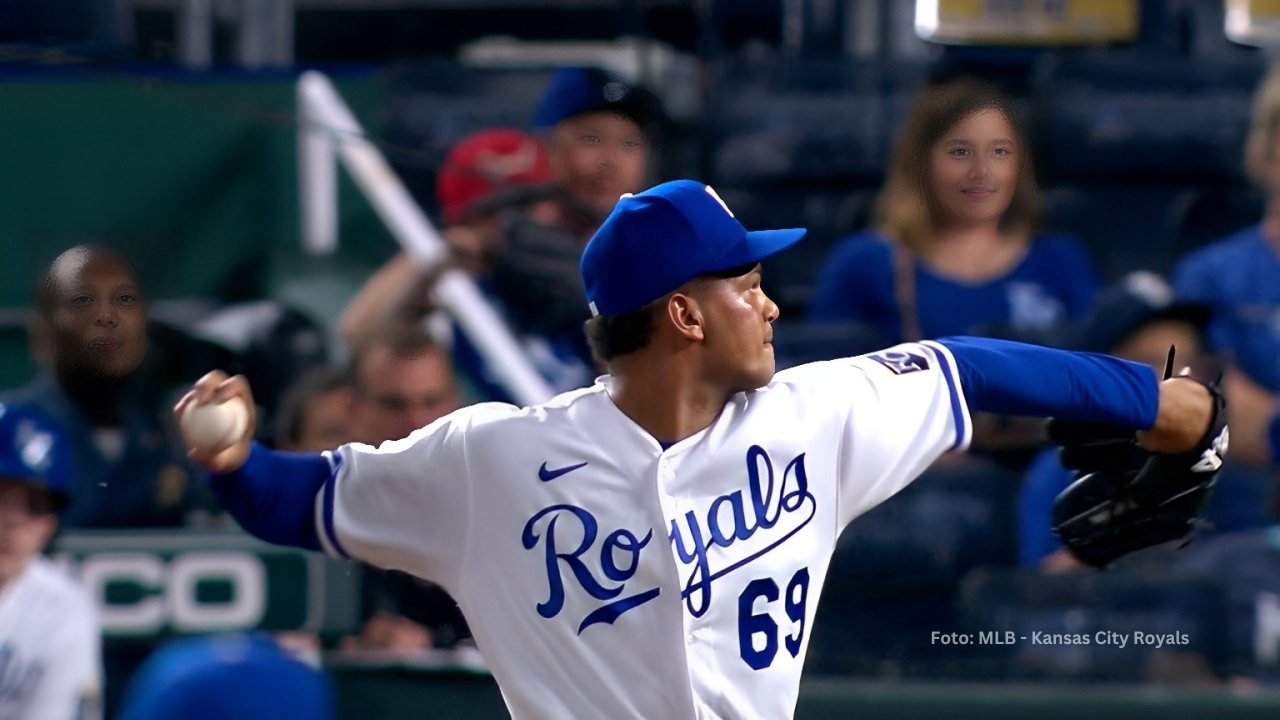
[{"x": 1125, "y": 497}]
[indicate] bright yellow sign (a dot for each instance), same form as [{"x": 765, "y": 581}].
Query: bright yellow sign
[{"x": 1027, "y": 22}]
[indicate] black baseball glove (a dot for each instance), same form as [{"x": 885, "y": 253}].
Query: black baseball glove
[{"x": 1126, "y": 498}]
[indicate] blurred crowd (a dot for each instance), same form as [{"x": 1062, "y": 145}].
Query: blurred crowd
[{"x": 955, "y": 244}]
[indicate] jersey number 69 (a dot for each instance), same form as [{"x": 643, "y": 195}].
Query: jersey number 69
[{"x": 752, "y": 625}]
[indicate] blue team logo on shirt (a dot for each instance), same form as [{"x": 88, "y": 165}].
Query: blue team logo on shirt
[
  {"x": 900, "y": 362},
  {"x": 778, "y": 505},
  {"x": 619, "y": 558},
  {"x": 18, "y": 678},
  {"x": 574, "y": 550}
]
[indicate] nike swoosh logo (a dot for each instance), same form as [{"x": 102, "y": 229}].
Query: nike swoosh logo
[{"x": 547, "y": 475}]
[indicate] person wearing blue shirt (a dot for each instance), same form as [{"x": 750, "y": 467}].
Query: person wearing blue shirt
[
  {"x": 107, "y": 385},
  {"x": 1239, "y": 275},
  {"x": 956, "y": 248}
]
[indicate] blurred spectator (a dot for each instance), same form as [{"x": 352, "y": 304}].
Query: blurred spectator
[
  {"x": 1137, "y": 320},
  {"x": 598, "y": 127},
  {"x": 402, "y": 381},
  {"x": 49, "y": 637},
  {"x": 600, "y": 130},
  {"x": 105, "y": 385},
  {"x": 486, "y": 178},
  {"x": 484, "y": 174},
  {"x": 1239, "y": 276},
  {"x": 1245, "y": 566},
  {"x": 519, "y": 220},
  {"x": 235, "y": 677},
  {"x": 956, "y": 250},
  {"x": 315, "y": 412}
]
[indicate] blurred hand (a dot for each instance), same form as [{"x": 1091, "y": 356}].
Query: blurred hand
[
  {"x": 216, "y": 387},
  {"x": 385, "y": 631},
  {"x": 1061, "y": 561}
]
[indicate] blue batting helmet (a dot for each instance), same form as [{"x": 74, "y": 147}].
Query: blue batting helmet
[{"x": 34, "y": 450}]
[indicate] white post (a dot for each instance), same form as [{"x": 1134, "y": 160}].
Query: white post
[
  {"x": 317, "y": 179},
  {"x": 324, "y": 111}
]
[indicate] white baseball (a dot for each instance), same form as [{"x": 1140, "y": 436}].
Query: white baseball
[{"x": 214, "y": 426}]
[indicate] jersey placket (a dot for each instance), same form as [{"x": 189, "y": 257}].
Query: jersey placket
[{"x": 699, "y": 638}]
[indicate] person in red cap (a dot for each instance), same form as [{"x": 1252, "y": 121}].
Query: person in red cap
[
  {"x": 483, "y": 175},
  {"x": 488, "y": 169},
  {"x": 522, "y": 238}
]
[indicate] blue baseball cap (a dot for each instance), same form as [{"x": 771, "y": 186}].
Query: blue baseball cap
[
  {"x": 1137, "y": 300},
  {"x": 227, "y": 677},
  {"x": 655, "y": 241},
  {"x": 34, "y": 450},
  {"x": 577, "y": 90}
]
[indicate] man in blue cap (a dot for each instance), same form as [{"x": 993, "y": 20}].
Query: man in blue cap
[
  {"x": 654, "y": 546},
  {"x": 49, "y": 637},
  {"x": 601, "y": 131},
  {"x": 599, "y": 128}
]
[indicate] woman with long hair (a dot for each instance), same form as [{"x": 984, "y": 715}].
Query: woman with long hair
[{"x": 955, "y": 247}]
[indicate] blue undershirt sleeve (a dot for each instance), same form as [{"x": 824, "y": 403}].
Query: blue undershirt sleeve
[
  {"x": 273, "y": 495},
  {"x": 1011, "y": 378}
]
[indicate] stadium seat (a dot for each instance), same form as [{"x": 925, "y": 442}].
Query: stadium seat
[
  {"x": 805, "y": 121},
  {"x": 1211, "y": 213},
  {"x": 1140, "y": 117},
  {"x": 1124, "y": 226}
]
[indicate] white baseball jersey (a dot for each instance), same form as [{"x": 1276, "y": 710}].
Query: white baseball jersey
[
  {"x": 50, "y": 667},
  {"x": 604, "y": 576}
]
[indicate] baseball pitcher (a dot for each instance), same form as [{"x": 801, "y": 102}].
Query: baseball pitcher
[{"x": 654, "y": 546}]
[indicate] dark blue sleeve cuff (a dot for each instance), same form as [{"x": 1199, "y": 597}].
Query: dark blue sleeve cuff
[
  {"x": 273, "y": 495},
  {"x": 1011, "y": 378}
]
